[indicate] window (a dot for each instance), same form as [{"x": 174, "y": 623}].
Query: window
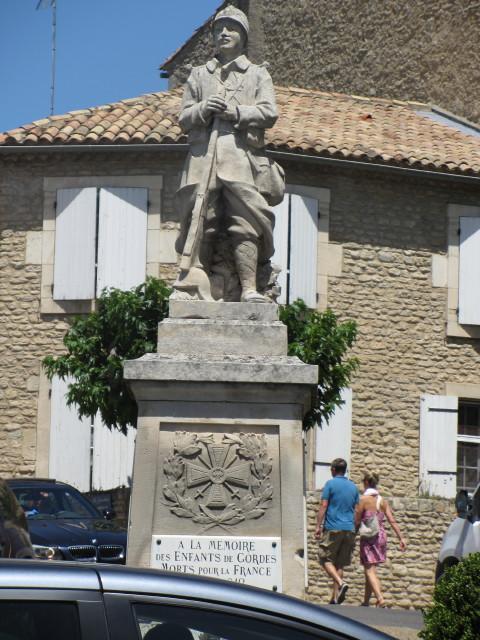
[
  {"x": 83, "y": 452},
  {"x": 100, "y": 241},
  {"x": 333, "y": 440},
  {"x": 180, "y": 623},
  {"x": 438, "y": 445},
  {"x": 468, "y": 449},
  {"x": 45, "y": 504},
  {"x": 450, "y": 442},
  {"x": 98, "y": 231},
  {"x": 27, "y": 620},
  {"x": 301, "y": 245},
  {"x": 463, "y": 273},
  {"x": 469, "y": 271}
]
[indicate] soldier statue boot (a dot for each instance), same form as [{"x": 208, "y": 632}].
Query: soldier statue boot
[{"x": 246, "y": 259}]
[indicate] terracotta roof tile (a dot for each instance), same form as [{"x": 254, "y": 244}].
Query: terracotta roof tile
[{"x": 310, "y": 122}]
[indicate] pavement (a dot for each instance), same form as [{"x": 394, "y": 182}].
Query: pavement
[{"x": 402, "y": 624}]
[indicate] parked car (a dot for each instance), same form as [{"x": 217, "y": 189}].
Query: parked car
[
  {"x": 463, "y": 535},
  {"x": 64, "y": 525},
  {"x": 58, "y": 600}
]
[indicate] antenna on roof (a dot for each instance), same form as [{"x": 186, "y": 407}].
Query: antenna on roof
[{"x": 45, "y": 4}]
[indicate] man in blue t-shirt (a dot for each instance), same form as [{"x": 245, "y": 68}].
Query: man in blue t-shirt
[{"x": 336, "y": 527}]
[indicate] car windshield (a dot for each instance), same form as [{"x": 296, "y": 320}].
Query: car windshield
[{"x": 54, "y": 502}]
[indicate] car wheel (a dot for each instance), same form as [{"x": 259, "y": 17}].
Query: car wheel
[{"x": 442, "y": 566}]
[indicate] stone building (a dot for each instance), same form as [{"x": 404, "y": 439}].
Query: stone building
[
  {"x": 381, "y": 223},
  {"x": 419, "y": 50}
]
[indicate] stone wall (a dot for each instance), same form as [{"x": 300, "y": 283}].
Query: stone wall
[
  {"x": 389, "y": 226},
  {"x": 419, "y": 50},
  {"x": 389, "y": 229},
  {"x": 26, "y": 335},
  {"x": 407, "y": 577}
]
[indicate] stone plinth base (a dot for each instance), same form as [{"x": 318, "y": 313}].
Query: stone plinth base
[{"x": 218, "y": 471}]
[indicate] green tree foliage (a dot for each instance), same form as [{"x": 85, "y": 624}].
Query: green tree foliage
[
  {"x": 455, "y": 612},
  {"x": 318, "y": 338},
  {"x": 124, "y": 327}
]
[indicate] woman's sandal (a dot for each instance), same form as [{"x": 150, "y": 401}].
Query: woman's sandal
[{"x": 381, "y": 604}]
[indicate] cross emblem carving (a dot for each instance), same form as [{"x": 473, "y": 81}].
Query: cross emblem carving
[
  {"x": 218, "y": 484},
  {"x": 220, "y": 474}
]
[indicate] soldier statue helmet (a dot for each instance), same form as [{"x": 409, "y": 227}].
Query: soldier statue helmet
[{"x": 234, "y": 14}]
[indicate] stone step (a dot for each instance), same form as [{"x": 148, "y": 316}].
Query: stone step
[
  {"x": 199, "y": 368},
  {"x": 199, "y": 309},
  {"x": 222, "y": 337}
]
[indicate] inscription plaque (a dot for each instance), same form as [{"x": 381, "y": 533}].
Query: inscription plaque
[{"x": 256, "y": 561}]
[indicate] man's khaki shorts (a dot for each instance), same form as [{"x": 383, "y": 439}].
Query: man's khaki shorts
[{"x": 337, "y": 547}]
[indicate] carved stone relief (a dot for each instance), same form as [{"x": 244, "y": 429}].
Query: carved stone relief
[{"x": 218, "y": 481}]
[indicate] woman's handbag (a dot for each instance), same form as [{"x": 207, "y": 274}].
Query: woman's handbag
[{"x": 370, "y": 527}]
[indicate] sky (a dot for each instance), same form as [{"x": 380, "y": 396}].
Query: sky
[{"x": 107, "y": 50}]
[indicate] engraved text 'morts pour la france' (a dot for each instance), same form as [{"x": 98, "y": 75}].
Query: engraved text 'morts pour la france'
[{"x": 218, "y": 483}]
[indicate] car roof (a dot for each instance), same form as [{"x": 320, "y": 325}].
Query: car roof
[
  {"x": 35, "y": 482},
  {"x": 26, "y": 574}
]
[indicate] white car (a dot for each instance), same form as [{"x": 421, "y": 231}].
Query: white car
[{"x": 463, "y": 535}]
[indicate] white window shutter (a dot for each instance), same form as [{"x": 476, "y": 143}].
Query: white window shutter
[
  {"x": 469, "y": 271},
  {"x": 303, "y": 249},
  {"x": 112, "y": 457},
  {"x": 69, "y": 458},
  {"x": 122, "y": 238},
  {"x": 75, "y": 229},
  {"x": 280, "y": 242},
  {"x": 438, "y": 445},
  {"x": 333, "y": 440}
]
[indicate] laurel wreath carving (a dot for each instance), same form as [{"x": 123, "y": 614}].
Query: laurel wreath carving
[{"x": 251, "y": 447}]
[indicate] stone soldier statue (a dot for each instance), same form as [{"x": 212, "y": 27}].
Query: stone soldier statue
[{"x": 228, "y": 184}]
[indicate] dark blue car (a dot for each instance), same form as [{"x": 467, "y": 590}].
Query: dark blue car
[{"x": 64, "y": 525}]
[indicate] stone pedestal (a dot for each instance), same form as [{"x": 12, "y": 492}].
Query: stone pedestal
[{"x": 218, "y": 472}]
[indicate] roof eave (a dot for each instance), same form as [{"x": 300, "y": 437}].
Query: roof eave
[
  {"x": 374, "y": 166},
  {"x": 285, "y": 155}
]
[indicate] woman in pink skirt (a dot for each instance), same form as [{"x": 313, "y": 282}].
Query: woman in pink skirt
[{"x": 373, "y": 550}]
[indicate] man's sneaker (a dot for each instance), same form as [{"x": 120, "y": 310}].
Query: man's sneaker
[{"x": 342, "y": 592}]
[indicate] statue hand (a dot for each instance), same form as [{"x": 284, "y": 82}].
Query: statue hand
[
  {"x": 230, "y": 113},
  {"x": 215, "y": 104}
]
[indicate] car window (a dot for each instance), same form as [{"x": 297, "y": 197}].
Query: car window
[
  {"x": 25, "y": 620},
  {"x": 44, "y": 504},
  {"x": 156, "y": 622}
]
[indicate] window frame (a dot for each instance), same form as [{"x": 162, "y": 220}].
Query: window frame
[
  {"x": 91, "y": 611},
  {"x": 329, "y": 255},
  {"x": 466, "y": 392},
  {"x": 160, "y": 237},
  {"x": 123, "y": 626},
  {"x": 466, "y": 438}
]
